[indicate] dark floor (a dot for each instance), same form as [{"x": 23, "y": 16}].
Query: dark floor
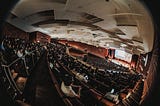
[{"x": 40, "y": 90}]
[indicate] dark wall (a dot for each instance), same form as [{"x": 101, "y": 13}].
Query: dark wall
[
  {"x": 5, "y": 6},
  {"x": 153, "y": 78},
  {"x": 14, "y": 32}
]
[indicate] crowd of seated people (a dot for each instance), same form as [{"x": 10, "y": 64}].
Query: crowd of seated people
[
  {"x": 71, "y": 92},
  {"x": 22, "y": 50},
  {"x": 120, "y": 80},
  {"x": 67, "y": 87},
  {"x": 134, "y": 96},
  {"x": 101, "y": 82},
  {"x": 102, "y": 63},
  {"x": 15, "y": 48},
  {"x": 18, "y": 58}
]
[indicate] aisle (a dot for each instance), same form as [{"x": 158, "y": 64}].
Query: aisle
[{"x": 40, "y": 90}]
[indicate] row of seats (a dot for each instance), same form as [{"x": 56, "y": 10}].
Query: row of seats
[
  {"x": 130, "y": 79},
  {"x": 57, "y": 80},
  {"x": 101, "y": 83},
  {"x": 59, "y": 70},
  {"x": 102, "y": 63},
  {"x": 134, "y": 97},
  {"x": 18, "y": 57}
]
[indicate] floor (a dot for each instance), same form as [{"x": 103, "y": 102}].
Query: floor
[{"x": 39, "y": 90}]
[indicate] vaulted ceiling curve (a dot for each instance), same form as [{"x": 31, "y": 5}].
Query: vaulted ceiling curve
[{"x": 108, "y": 24}]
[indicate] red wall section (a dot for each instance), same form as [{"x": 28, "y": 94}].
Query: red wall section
[
  {"x": 42, "y": 37},
  {"x": 37, "y": 36},
  {"x": 99, "y": 51}
]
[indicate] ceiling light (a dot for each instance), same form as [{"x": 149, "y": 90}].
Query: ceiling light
[{"x": 123, "y": 45}]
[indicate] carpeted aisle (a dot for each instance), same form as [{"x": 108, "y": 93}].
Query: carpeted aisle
[{"x": 39, "y": 89}]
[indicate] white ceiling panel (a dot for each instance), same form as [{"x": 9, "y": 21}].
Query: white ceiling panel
[{"x": 81, "y": 25}]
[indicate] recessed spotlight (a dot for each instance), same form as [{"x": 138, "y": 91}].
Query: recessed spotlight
[
  {"x": 123, "y": 45},
  {"x": 107, "y": 45}
]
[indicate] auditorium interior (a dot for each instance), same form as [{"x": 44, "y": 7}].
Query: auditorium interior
[{"x": 105, "y": 49}]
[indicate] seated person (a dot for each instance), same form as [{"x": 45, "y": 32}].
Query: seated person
[
  {"x": 51, "y": 65},
  {"x": 85, "y": 56},
  {"x": 82, "y": 77},
  {"x": 66, "y": 87},
  {"x": 114, "y": 97}
]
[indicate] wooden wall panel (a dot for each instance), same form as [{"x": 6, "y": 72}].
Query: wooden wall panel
[
  {"x": 39, "y": 37},
  {"x": 98, "y": 51}
]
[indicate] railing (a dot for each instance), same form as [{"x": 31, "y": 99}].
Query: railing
[
  {"x": 23, "y": 66},
  {"x": 100, "y": 95},
  {"x": 57, "y": 86}
]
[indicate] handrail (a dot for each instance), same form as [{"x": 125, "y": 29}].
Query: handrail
[
  {"x": 93, "y": 90},
  {"x": 8, "y": 76},
  {"x": 133, "y": 92},
  {"x": 71, "y": 73},
  {"x": 57, "y": 87},
  {"x": 14, "y": 81},
  {"x": 7, "y": 72},
  {"x": 86, "y": 64},
  {"x": 13, "y": 84},
  {"x": 102, "y": 84},
  {"x": 100, "y": 97},
  {"x": 54, "y": 80},
  {"x": 20, "y": 58}
]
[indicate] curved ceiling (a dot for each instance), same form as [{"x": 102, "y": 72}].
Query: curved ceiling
[{"x": 120, "y": 24}]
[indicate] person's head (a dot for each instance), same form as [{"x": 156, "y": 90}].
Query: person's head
[
  {"x": 66, "y": 44},
  {"x": 68, "y": 80}
]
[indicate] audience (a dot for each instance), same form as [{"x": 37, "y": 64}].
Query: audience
[
  {"x": 101, "y": 79},
  {"x": 18, "y": 57},
  {"x": 67, "y": 85},
  {"x": 96, "y": 73}
]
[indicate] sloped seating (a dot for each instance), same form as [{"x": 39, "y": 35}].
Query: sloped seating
[
  {"x": 135, "y": 96},
  {"x": 57, "y": 82},
  {"x": 100, "y": 82}
]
